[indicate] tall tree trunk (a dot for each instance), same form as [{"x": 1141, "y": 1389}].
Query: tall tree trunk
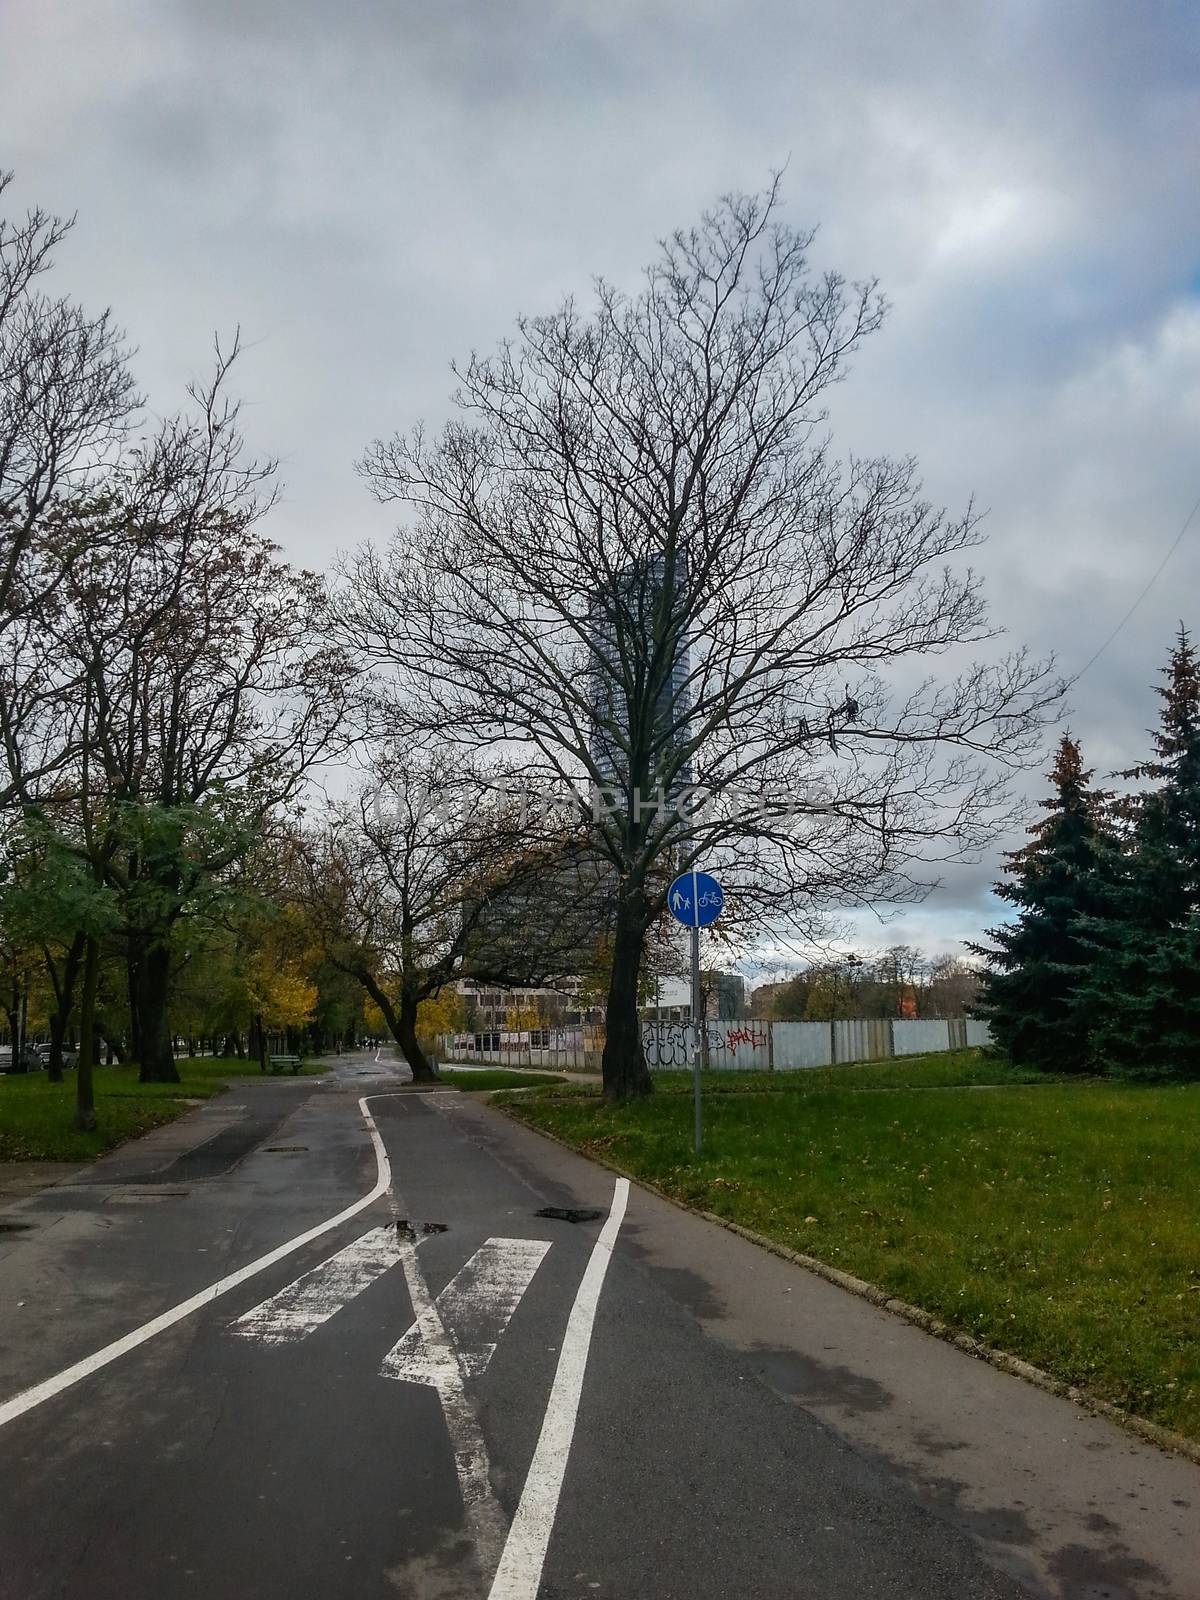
[
  {"x": 402, "y": 1024},
  {"x": 63, "y": 983},
  {"x": 14, "y": 1029},
  {"x": 405, "y": 1033},
  {"x": 260, "y": 1041},
  {"x": 19, "y": 1016},
  {"x": 54, "y": 1062},
  {"x": 133, "y": 976},
  {"x": 85, "y": 1099},
  {"x": 626, "y": 1076},
  {"x": 157, "y": 1063}
]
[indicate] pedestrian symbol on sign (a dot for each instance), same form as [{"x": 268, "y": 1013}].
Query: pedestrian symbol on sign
[{"x": 695, "y": 899}]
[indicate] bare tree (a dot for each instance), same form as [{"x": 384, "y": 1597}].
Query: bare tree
[
  {"x": 66, "y": 399},
  {"x": 954, "y": 986},
  {"x": 205, "y": 687},
  {"x": 65, "y": 391},
  {"x": 635, "y": 563},
  {"x": 900, "y": 978},
  {"x": 422, "y": 880}
]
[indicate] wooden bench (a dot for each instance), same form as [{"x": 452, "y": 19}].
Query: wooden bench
[{"x": 278, "y": 1063}]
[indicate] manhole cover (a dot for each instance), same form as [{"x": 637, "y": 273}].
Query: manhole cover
[
  {"x": 571, "y": 1213},
  {"x": 144, "y": 1197},
  {"x": 414, "y": 1230}
]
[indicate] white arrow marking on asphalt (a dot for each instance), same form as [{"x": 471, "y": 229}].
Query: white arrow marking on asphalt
[
  {"x": 475, "y": 1308},
  {"x": 315, "y": 1296},
  {"x": 485, "y": 1519}
]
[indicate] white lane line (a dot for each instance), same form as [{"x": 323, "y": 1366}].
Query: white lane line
[
  {"x": 485, "y": 1519},
  {"x": 313, "y": 1298},
  {"x": 19, "y": 1404},
  {"x": 519, "y": 1574},
  {"x": 476, "y": 1307}
]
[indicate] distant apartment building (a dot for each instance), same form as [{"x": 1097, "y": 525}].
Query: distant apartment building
[
  {"x": 669, "y": 1001},
  {"x": 762, "y": 999},
  {"x": 490, "y": 1007},
  {"x": 723, "y": 996},
  {"x": 726, "y": 997}
]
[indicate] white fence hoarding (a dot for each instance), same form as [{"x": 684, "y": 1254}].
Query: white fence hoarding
[
  {"x": 913, "y": 1038},
  {"x": 795, "y": 1046},
  {"x": 801, "y": 1044},
  {"x": 749, "y": 1046}
]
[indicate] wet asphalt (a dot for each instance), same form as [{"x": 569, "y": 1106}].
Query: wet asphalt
[{"x": 744, "y": 1428}]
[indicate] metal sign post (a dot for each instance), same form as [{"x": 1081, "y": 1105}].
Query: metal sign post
[
  {"x": 695, "y": 899},
  {"x": 696, "y": 1030}
]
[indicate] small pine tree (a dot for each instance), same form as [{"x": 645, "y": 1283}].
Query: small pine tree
[
  {"x": 1031, "y": 983},
  {"x": 1144, "y": 988}
]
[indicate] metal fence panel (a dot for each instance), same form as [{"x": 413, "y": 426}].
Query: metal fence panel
[
  {"x": 911, "y": 1037},
  {"x": 862, "y": 1039},
  {"x": 801, "y": 1044}
]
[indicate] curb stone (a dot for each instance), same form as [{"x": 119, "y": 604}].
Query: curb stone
[{"x": 1150, "y": 1432}]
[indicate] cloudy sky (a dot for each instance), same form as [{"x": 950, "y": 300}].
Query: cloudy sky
[{"x": 373, "y": 187}]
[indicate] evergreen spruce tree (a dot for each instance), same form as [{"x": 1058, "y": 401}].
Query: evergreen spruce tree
[
  {"x": 1143, "y": 990},
  {"x": 1031, "y": 986}
]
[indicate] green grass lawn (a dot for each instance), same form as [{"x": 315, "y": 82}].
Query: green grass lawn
[
  {"x": 497, "y": 1078},
  {"x": 1057, "y": 1220},
  {"x": 36, "y": 1116}
]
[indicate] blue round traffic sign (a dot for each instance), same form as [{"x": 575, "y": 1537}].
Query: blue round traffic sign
[{"x": 695, "y": 899}]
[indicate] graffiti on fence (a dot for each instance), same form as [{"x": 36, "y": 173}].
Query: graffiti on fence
[
  {"x": 666, "y": 1045},
  {"x": 731, "y": 1038}
]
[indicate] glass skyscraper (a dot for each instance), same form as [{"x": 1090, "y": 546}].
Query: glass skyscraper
[{"x": 628, "y": 642}]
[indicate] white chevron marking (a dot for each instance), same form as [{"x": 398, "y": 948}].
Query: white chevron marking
[
  {"x": 475, "y": 1308},
  {"x": 313, "y": 1298}
]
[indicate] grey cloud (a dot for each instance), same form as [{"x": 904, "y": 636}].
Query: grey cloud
[{"x": 374, "y": 188}]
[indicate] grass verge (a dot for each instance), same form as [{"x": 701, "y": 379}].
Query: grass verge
[
  {"x": 1053, "y": 1219},
  {"x": 36, "y": 1117},
  {"x": 497, "y": 1078}
]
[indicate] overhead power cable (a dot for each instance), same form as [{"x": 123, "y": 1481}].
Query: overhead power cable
[{"x": 1154, "y": 577}]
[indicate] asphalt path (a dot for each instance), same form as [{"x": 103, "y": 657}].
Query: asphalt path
[{"x": 208, "y": 1390}]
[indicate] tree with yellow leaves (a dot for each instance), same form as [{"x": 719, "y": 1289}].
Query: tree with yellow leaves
[
  {"x": 443, "y": 1012},
  {"x": 519, "y": 1019},
  {"x": 279, "y": 969}
]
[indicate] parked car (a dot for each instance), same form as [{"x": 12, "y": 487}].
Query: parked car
[
  {"x": 27, "y": 1061},
  {"x": 69, "y": 1057}
]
